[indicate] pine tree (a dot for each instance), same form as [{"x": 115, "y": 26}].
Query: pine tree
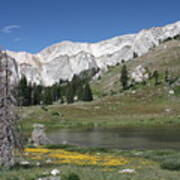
[
  {"x": 76, "y": 84},
  {"x": 166, "y": 78},
  {"x": 24, "y": 92},
  {"x": 156, "y": 77},
  {"x": 70, "y": 93},
  {"x": 29, "y": 95},
  {"x": 22, "y": 87},
  {"x": 87, "y": 93},
  {"x": 47, "y": 96},
  {"x": 135, "y": 55},
  {"x": 124, "y": 77},
  {"x": 56, "y": 92},
  {"x": 37, "y": 94},
  {"x": 79, "y": 92}
]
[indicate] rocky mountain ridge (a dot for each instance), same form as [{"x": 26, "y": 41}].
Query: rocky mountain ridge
[{"x": 63, "y": 60}]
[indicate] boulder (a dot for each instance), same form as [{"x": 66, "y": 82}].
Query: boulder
[
  {"x": 171, "y": 92},
  {"x": 127, "y": 171},
  {"x": 140, "y": 74},
  {"x": 55, "y": 172}
]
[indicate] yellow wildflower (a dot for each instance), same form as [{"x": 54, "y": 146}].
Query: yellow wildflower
[{"x": 67, "y": 157}]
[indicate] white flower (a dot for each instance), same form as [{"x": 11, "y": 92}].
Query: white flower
[
  {"x": 48, "y": 161},
  {"x": 138, "y": 153},
  {"x": 171, "y": 91},
  {"x": 55, "y": 172}
]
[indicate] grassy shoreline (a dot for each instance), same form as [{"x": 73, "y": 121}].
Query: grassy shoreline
[
  {"x": 95, "y": 163},
  {"x": 128, "y": 110}
]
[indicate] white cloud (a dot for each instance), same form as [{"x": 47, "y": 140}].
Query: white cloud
[
  {"x": 17, "y": 39},
  {"x": 8, "y": 29}
]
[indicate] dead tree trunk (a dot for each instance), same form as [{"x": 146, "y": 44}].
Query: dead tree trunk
[{"x": 8, "y": 134}]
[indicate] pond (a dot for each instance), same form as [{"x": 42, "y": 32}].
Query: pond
[{"x": 121, "y": 138}]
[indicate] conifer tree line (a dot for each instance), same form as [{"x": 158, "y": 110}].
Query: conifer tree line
[
  {"x": 77, "y": 89},
  {"x": 127, "y": 82}
]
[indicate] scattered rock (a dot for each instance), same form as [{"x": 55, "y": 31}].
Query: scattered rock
[
  {"x": 64, "y": 142},
  {"x": 176, "y": 83},
  {"x": 96, "y": 107},
  {"x": 98, "y": 75},
  {"x": 140, "y": 74},
  {"x": 25, "y": 163},
  {"x": 48, "y": 161},
  {"x": 38, "y": 164},
  {"x": 133, "y": 92},
  {"x": 168, "y": 110},
  {"x": 55, "y": 172},
  {"x": 124, "y": 171},
  {"x": 171, "y": 92}
]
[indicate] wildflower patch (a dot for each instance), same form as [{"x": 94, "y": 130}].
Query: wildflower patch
[{"x": 60, "y": 156}]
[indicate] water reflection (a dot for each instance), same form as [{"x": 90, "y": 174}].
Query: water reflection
[{"x": 122, "y": 138}]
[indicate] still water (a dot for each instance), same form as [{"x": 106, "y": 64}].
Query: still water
[{"x": 121, "y": 138}]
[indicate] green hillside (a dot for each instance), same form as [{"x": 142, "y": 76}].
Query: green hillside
[
  {"x": 142, "y": 105},
  {"x": 166, "y": 56}
]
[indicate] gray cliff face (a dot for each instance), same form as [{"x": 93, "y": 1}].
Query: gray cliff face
[
  {"x": 32, "y": 73},
  {"x": 12, "y": 64},
  {"x": 64, "y": 67},
  {"x": 63, "y": 60}
]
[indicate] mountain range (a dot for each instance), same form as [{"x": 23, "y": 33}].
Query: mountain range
[{"x": 64, "y": 59}]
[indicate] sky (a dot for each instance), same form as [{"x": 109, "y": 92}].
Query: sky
[{"x": 31, "y": 25}]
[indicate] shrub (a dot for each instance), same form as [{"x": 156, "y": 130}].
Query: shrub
[
  {"x": 112, "y": 93},
  {"x": 13, "y": 178},
  {"x": 104, "y": 94},
  {"x": 54, "y": 113},
  {"x": 160, "y": 155},
  {"x": 58, "y": 146},
  {"x": 171, "y": 164},
  {"x": 44, "y": 108},
  {"x": 177, "y": 90},
  {"x": 73, "y": 176}
]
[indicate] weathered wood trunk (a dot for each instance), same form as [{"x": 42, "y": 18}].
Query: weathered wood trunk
[
  {"x": 8, "y": 135},
  {"x": 39, "y": 136}
]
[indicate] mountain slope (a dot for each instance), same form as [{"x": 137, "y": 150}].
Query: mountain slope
[
  {"x": 63, "y": 60},
  {"x": 161, "y": 58}
]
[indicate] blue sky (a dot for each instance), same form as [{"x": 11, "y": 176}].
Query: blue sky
[{"x": 31, "y": 25}]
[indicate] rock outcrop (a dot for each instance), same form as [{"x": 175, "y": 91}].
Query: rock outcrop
[{"x": 63, "y": 60}]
